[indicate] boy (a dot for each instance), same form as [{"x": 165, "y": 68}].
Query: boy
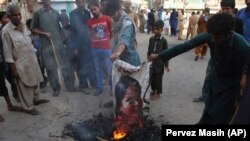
[
  {"x": 37, "y": 45},
  {"x": 157, "y": 44},
  {"x": 228, "y": 56}
]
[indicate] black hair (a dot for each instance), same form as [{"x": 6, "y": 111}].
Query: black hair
[
  {"x": 112, "y": 7},
  {"x": 227, "y": 3},
  {"x": 220, "y": 24},
  {"x": 94, "y": 3},
  {"x": 159, "y": 24},
  {"x": 2, "y": 14},
  {"x": 28, "y": 23},
  {"x": 121, "y": 88},
  {"x": 193, "y": 13}
]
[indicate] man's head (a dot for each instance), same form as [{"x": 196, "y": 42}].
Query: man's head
[
  {"x": 227, "y": 6},
  {"x": 80, "y": 4},
  {"x": 113, "y": 9},
  {"x": 193, "y": 13},
  {"x": 3, "y": 18},
  {"x": 64, "y": 19},
  {"x": 220, "y": 26},
  {"x": 127, "y": 4},
  {"x": 46, "y": 3},
  {"x": 95, "y": 8},
  {"x": 14, "y": 14},
  {"x": 158, "y": 27}
]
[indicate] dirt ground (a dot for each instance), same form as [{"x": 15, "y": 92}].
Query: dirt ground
[{"x": 180, "y": 86}]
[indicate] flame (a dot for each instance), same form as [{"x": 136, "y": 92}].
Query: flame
[{"x": 119, "y": 135}]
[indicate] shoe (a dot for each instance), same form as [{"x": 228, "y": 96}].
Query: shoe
[
  {"x": 199, "y": 99},
  {"x": 97, "y": 93},
  {"x": 196, "y": 58},
  {"x": 86, "y": 91},
  {"x": 41, "y": 101},
  {"x": 55, "y": 93},
  {"x": 108, "y": 104},
  {"x": 33, "y": 112}
]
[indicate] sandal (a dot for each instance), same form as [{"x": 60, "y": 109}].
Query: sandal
[
  {"x": 33, "y": 112},
  {"x": 41, "y": 101},
  {"x": 1, "y": 118},
  {"x": 199, "y": 99}
]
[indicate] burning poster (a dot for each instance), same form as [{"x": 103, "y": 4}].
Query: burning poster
[{"x": 131, "y": 98}]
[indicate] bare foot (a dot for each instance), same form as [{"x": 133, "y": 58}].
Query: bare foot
[
  {"x": 16, "y": 109},
  {"x": 1, "y": 118}
]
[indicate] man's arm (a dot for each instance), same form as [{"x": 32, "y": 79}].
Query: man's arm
[
  {"x": 35, "y": 25},
  {"x": 7, "y": 47},
  {"x": 179, "y": 49}
]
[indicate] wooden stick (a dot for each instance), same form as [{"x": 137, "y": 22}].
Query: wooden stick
[{"x": 100, "y": 139}]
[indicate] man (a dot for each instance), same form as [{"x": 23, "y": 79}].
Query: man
[
  {"x": 82, "y": 46},
  {"x": 151, "y": 21},
  {"x": 228, "y": 55},
  {"x": 200, "y": 51},
  {"x": 3, "y": 89},
  {"x": 173, "y": 22},
  {"x": 227, "y": 6},
  {"x": 19, "y": 52},
  {"x": 100, "y": 31},
  {"x": 45, "y": 22},
  {"x": 192, "y": 26},
  {"x": 132, "y": 14}
]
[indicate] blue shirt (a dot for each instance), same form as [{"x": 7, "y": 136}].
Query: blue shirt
[{"x": 245, "y": 17}]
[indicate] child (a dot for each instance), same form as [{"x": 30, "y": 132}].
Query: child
[
  {"x": 37, "y": 45},
  {"x": 157, "y": 44}
]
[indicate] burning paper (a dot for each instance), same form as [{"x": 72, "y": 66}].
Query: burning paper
[{"x": 131, "y": 97}]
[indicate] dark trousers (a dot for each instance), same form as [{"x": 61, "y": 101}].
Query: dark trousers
[
  {"x": 206, "y": 85},
  {"x": 3, "y": 88},
  {"x": 173, "y": 31},
  {"x": 156, "y": 82},
  {"x": 54, "y": 80},
  {"x": 87, "y": 69},
  {"x": 10, "y": 79},
  {"x": 150, "y": 27}
]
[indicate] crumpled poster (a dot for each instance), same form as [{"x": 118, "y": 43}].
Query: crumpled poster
[{"x": 130, "y": 95}]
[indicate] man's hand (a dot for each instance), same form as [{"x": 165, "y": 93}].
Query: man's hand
[
  {"x": 48, "y": 35},
  {"x": 14, "y": 72},
  {"x": 167, "y": 69},
  {"x": 115, "y": 56},
  {"x": 153, "y": 57}
]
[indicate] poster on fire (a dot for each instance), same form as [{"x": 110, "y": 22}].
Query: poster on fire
[{"x": 130, "y": 96}]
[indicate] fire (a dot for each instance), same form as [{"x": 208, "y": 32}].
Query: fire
[{"x": 118, "y": 135}]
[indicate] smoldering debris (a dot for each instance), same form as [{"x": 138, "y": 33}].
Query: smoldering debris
[
  {"x": 88, "y": 130},
  {"x": 103, "y": 127}
]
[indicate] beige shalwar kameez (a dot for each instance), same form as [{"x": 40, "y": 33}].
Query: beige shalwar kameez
[{"x": 19, "y": 50}]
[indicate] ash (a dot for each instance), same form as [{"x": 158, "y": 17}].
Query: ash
[{"x": 100, "y": 126}]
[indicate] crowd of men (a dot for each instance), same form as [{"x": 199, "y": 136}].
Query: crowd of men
[{"x": 84, "y": 44}]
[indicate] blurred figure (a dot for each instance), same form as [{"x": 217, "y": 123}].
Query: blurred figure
[
  {"x": 173, "y": 22},
  {"x": 151, "y": 21},
  {"x": 201, "y": 51},
  {"x": 82, "y": 46},
  {"x": 48, "y": 27},
  {"x": 180, "y": 26},
  {"x": 37, "y": 45},
  {"x": 166, "y": 18},
  {"x": 142, "y": 20},
  {"x": 192, "y": 26},
  {"x": 132, "y": 14}
]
